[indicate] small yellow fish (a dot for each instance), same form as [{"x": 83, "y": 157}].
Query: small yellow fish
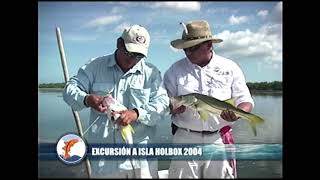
[{"x": 114, "y": 105}]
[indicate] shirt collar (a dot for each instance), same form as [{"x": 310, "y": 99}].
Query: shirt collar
[
  {"x": 138, "y": 67},
  {"x": 212, "y": 61},
  {"x": 112, "y": 60},
  {"x": 190, "y": 64}
]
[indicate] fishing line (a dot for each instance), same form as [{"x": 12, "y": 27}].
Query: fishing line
[
  {"x": 108, "y": 92},
  {"x": 90, "y": 125}
]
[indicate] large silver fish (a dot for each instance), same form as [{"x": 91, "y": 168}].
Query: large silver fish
[{"x": 206, "y": 104}]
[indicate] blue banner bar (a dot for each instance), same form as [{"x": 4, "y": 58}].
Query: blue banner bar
[{"x": 47, "y": 151}]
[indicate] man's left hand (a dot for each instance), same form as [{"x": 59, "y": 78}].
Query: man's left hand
[
  {"x": 229, "y": 116},
  {"x": 126, "y": 117}
]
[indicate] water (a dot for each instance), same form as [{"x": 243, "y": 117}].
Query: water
[{"x": 55, "y": 119}]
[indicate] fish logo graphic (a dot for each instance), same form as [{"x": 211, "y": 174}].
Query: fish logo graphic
[
  {"x": 71, "y": 149},
  {"x": 67, "y": 147}
]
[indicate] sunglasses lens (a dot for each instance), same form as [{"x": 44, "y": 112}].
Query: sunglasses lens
[
  {"x": 136, "y": 56},
  {"x": 139, "y": 57},
  {"x": 193, "y": 48}
]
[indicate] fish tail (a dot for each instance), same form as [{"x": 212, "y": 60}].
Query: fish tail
[
  {"x": 125, "y": 133},
  {"x": 254, "y": 128},
  {"x": 203, "y": 115},
  {"x": 253, "y": 121},
  {"x": 66, "y": 156}
]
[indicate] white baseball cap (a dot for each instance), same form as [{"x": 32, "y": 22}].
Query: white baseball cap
[{"x": 136, "y": 39}]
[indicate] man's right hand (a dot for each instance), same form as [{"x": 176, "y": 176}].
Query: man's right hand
[
  {"x": 177, "y": 110},
  {"x": 95, "y": 101}
]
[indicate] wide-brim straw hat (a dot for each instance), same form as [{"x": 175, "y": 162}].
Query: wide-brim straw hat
[{"x": 195, "y": 32}]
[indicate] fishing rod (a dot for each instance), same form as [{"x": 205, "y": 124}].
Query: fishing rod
[{"x": 66, "y": 78}]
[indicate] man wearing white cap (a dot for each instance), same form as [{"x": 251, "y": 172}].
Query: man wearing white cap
[
  {"x": 202, "y": 71},
  {"x": 131, "y": 81}
]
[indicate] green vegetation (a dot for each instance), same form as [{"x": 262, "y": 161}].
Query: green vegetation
[
  {"x": 52, "y": 85},
  {"x": 265, "y": 86}
]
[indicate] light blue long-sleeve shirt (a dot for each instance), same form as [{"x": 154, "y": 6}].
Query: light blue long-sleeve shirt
[{"x": 141, "y": 87}]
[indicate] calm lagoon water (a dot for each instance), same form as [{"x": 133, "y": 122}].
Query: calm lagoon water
[{"x": 55, "y": 119}]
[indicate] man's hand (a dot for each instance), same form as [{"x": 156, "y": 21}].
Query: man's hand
[
  {"x": 95, "y": 101},
  {"x": 126, "y": 117},
  {"x": 177, "y": 110},
  {"x": 229, "y": 116}
]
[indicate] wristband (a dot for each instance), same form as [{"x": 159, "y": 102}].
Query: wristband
[{"x": 136, "y": 110}]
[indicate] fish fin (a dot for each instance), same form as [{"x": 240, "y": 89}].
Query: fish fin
[
  {"x": 203, "y": 115},
  {"x": 124, "y": 137},
  {"x": 132, "y": 130},
  {"x": 125, "y": 131},
  {"x": 254, "y": 128},
  {"x": 253, "y": 120},
  {"x": 231, "y": 101}
]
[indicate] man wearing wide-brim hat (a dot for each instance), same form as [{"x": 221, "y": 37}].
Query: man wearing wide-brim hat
[
  {"x": 195, "y": 33},
  {"x": 202, "y": 71}
]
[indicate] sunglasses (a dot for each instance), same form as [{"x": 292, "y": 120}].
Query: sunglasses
[
  {"x": 136, "y": 56},
  {"x": 194, "y": 48}
]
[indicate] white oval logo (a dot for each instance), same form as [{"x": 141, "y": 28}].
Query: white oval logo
[{"x": 71, "y": 149}]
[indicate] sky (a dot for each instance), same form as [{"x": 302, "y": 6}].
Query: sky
[{"x": 251, "y": 33}]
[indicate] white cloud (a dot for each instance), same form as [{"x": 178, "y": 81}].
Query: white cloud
[
  {"x": 261, "y": 45},
  {"x": 117, "y": 10},
  {"x": 238, "y": 19},
  {"x": 279, "y": 7},
  {"x": 222, "y": 11},
  {"x": 276, "y": 13},
  {"x": 272, "y": 29},
  {"x": 171, "y": 5},
  {"x": 121, "y": 27},
  {"x": 79, "y": 38},
  {"x": 103, "y": 21},
  {"x": 160, "y": 37},
  {"x": 129, "y": 3},
  {"x": 163, "y": 6},
  {"x": 68, "y": 36},
  {"x": 124, "y": 3},
  {"x": 178, "y": 33},
  {"x": 182, "y": 6},
  {"x": 263, "y": 13}
]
